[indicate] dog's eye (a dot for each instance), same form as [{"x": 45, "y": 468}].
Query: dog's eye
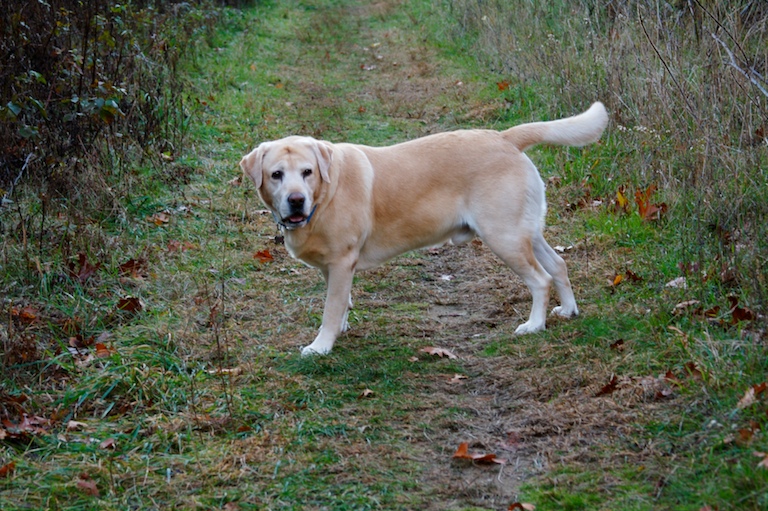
[
  {"x": 306, "y": 172},
  {"x": 278, "y": 174}
]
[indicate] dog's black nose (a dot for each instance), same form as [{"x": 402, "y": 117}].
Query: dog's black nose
[{"x": 296, "y": 200}]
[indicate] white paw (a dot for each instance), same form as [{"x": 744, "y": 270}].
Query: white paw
[
  {"x": 315, "y": 349},
  {"x": 565, "y": 312},
  {"x": 529, "y": 328}
]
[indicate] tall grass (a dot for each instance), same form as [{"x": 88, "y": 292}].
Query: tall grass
[{"x": 686, "y": 86}]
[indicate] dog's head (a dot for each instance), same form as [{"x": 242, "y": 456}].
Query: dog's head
[{"x": 289, "y": 174}]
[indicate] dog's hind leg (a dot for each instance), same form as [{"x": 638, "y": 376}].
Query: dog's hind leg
[
  {"x": 517, "y": 251},
  {"x": 555, "y": 266}
]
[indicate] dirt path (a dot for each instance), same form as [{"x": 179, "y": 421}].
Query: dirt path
[{"x": 515, "y": 403}]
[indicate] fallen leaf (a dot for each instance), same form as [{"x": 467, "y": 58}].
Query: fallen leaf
[
  {"x": 681, "y": 307},
  {"x": 747, "y": 400},
  {"x": 264, "y": 256},
  {"x": 102, "y": 351},
  {"x": 617, "y": 345},
  {"x": 622, "y": 202},
  {"x": 7, "y": 469},
  {"x": 632, "y": 276},
  {"x": 26, "y": 314},
  {"x": 694, "y": 371},
  {"x": 366, "y": 393},
  {"x": 83, "y": 270},
  {"x": 647, "y": 210},
  {"x": 129, "y": 304},
  {"x": 503, "y": 85},
  {"x": 178, "y": 246},
  {"x": 79, "y": 342},
  {"x": 678, "y": 283},
  {"x": 740, "y": 313},
  {"x": 521, "y": 505},
  {"x": 226, "y": 370},
  {"x": 463, "y": 453},
  {"x": 76, "y": 426},
  {"x": 236, "y": 181},
  {"x": 133, "y": 268},
  {"x": 764, "y": 462},
  {"x": 457, "y": 379},
  {"x": 160, "y": 218},
  {"x": 617, "y": 279},
  {"x": 440, "y": 352},
  {"x": 109, "y": 443},
  {"x": 88, "y": 486},
  {"x": 610, "y": 387}
]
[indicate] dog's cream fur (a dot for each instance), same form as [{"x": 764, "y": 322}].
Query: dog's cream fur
[{"x": 348, "y": 207}]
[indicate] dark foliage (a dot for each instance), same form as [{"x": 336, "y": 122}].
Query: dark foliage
[{"x": 91, "y": 83}]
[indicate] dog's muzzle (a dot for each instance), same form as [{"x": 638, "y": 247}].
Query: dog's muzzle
[{"x": 296, "y": 217}]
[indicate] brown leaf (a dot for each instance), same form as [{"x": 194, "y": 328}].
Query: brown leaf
[
  {"x": 76, "y": 426},
  {"x": 617, "y": 345},
  {"x": 109, "y": 443},
  {"x": 632, "y": 276},
  {"x": 83, "y": 270},
  {"x": 7, "y": 469},
  {"x": 648, "y": 211},
  {"x": 764, "y": 462},
  {"x": 610, "y": 387},
  {"x": 440, "y": 352},
  {"x": 264, "y": 256},
  {"x": 457, "y": 378},
  {"x": 681, "y": 307},
  {"x": 79, "y": 342},
  {"x": 27, "y": 315},
  {"x": 178, "y": 246},
  {"x": 747, "y": 400},
  {"x": 129, "y": 304},
  {"x": 671, "y": 377},
  {"x": 617, "y": 279},
  {"x": 160, "y": 218},
  {"x": 133, "y": 268},
  {"x": 463, "y": 453},
  {"x": 366, "y": 393},
  {"x": 740, "y": 313},
  {"x": 693, "y": 371},
  {"x": 503, "y": 85},
  {"x": 102, "y": 351},
  {"x": 521, "y": 505},
  {"x": 88, "y": 486}
]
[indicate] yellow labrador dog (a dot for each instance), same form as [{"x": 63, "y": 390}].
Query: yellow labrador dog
[{"x": 348, "y": 207}]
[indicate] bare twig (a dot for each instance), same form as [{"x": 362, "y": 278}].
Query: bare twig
[
  {"x": 669, "y": 71},
  {"x": 5, "y": 201},
  {"x": 750, "y": 74}
]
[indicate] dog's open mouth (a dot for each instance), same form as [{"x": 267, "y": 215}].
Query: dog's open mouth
[{"x": 295, "y": 219}]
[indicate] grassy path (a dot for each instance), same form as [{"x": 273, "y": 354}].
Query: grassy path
[{"x": 204, "y": 403}]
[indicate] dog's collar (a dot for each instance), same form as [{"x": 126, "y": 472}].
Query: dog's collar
[{"x": 306, "y": 221}]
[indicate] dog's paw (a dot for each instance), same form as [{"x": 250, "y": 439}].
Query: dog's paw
[
  {"x": 565, "y": 312},
  {"x": 529, "y": 328},
  {"x": 310, "y": 350}
]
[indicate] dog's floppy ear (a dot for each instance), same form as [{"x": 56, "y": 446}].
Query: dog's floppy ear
[
  {"x": 251, "y": 164},
  {"x": 324, "y": 154}
]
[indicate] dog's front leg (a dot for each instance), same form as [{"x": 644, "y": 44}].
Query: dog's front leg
[{"x": 339, "y": 278}]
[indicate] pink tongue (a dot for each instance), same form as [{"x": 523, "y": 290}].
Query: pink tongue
[{"x": 296, "y": 218}]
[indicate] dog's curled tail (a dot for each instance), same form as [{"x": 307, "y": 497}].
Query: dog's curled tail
[{"x": 578, "y": 130}]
